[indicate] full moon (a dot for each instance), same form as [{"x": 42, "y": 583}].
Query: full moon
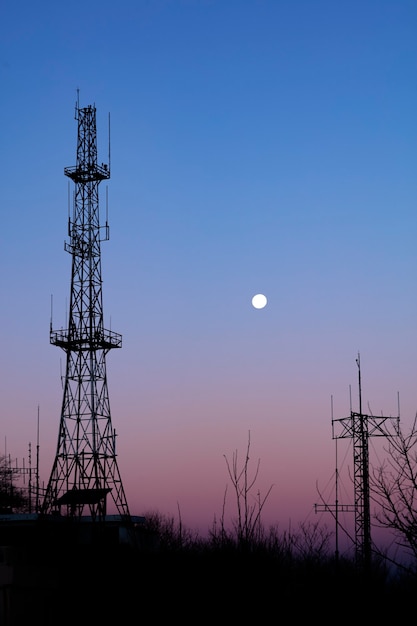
[{"x": 259, "y": 301}]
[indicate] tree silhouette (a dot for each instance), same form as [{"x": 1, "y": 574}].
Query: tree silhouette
[
  {"x": 248, "y": 526},
  {"x": 394, "y": 489}
]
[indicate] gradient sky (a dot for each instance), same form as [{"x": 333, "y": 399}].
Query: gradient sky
[{"x": 256, "y": 146}]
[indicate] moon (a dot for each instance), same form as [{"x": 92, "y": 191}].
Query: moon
[{"x": 259, "y": 301}]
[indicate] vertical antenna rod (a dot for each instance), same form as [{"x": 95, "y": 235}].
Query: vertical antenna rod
[{"x": 37, "y": 466}]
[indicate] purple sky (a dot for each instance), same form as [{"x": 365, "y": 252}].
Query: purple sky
[{"x": 257, "y": 147}]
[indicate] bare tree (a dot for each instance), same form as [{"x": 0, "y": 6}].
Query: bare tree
[
  {"x": 167, "y": 533},
  {"x": 393, "y": 487},
  {"x": 248, "y": 524},
  {"x": 312, "y": 542}
]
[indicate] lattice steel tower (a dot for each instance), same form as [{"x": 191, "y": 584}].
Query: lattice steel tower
[
  {"x": 85, "y": 469},
  {"x": 360, "y": 427}
]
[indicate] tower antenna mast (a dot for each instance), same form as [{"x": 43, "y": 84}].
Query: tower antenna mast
[
  {"x": 360, "y": 427},
  {"x": 85, "y": 470}
]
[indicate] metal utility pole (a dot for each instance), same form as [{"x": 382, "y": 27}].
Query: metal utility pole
[
  {"x": 359, "y": 427},
  {"x": 85, "y": 469}
]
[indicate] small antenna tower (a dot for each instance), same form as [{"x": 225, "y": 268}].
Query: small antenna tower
[{"x": 359, "y": 427}]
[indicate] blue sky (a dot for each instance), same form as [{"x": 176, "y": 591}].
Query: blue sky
[{"x": 256, "y": 146}]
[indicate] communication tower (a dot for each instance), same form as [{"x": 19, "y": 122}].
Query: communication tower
[
  {"x": 360, "y": 427},
  {"x": 85, "y": 470}
]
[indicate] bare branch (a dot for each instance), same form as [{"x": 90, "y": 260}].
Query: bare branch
[
  {"x": 394, "y": 488},
  {"x": 248, "y": 523}
]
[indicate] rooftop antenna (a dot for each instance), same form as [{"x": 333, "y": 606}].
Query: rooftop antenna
[
  {"x": 69, "y": 200},
  {"x": 107, "y": 206},
  {"x": 336, "y": 499},
  {"x": 30, "y": 475},
  {"x": 77, "y": 104},
  {"x": 52, "y": 304},
  {"x": 109, "y": 143},
  {"x": 37, "y": 466}
]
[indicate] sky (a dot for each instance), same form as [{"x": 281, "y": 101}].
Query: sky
[{"x": 257, "y": 146}]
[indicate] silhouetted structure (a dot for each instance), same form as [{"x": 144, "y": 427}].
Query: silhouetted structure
[
  {"x": 359, "y": 427},
  {"x": 85, "y": 469}
]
